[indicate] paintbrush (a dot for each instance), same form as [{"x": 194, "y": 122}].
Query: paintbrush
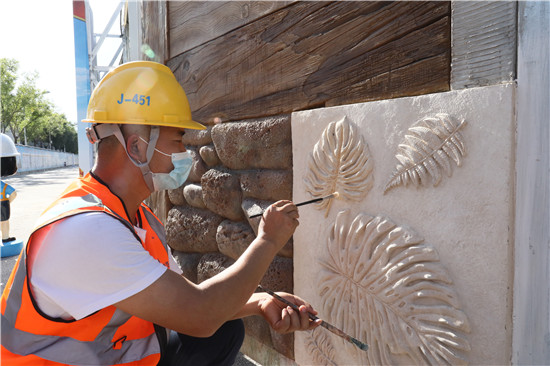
[
  {"x": 333, "y": 195},
  {"x": 330, "y": 327}
]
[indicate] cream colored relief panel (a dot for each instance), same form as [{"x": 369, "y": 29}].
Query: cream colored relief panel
[{"x": 439, "y": 298}]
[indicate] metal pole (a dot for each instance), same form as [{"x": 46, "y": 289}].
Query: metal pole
[{"x": 83, "y": 82}]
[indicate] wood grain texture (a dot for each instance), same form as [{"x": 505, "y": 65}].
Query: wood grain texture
[
  {"x": 315, "y": 54},
  {"x": 193, "y": 23},
  {"x": 483, "y": 42},
  {"x": 155, "y": 36}
]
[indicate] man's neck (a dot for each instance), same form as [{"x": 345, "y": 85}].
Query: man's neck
[{"x": 132, "y": 191}]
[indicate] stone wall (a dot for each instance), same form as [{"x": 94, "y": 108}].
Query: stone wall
[{"x": 239, "y": 167}]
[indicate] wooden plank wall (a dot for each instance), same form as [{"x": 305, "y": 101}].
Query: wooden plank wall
[
  {"x": 306, "y": 55},
  {"x": 154, "y": 31},
  {"x": 193, "y": 23}
]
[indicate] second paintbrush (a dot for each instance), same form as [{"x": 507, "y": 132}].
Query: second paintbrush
[
  {"x": 362, "y": 346},
  {"x": 333, "y": 195}
]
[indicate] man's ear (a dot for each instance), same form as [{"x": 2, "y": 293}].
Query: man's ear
[{"x": 136, "y": 148}]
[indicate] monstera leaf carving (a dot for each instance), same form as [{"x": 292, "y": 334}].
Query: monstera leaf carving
[
  {"x": 340, "y": 162},
  {"x": 320, "y": 347},
  {"x": 382, "y": 285},
  {"x": 429, "y": 147}
]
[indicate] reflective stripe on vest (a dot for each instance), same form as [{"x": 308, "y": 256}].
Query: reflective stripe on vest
[
  {"x": 101, "y": 346},
  {"x": 67, "y": 350}
]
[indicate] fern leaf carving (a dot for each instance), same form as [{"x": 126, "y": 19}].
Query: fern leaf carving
[
  {"x": 428, "y": 148},
  {"x": 320, "y": 347},
  {"x": 382, "y": 285},
  {"x": 340, "y": 162}
]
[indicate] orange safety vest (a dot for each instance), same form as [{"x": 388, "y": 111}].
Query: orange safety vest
[{"x": 107, "y": 337}]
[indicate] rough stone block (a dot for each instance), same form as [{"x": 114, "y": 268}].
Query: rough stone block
[
  {"x": 176, "y": 196},
  {"x": 190, "y": 229},
  {"x": 197, "y": 137},
  {"x": 278, "y": 276},
  {"x": 198, "y": 169},
  {"x": 234, "y": 237},
  {"x": 209, "y": 155},
  {"x": 269, "y": 185},
  {"x": 261, "y": 144},
  {"x": 193, "y": 195},
  {"x": 211, "y": 264},
  {"x": 188, "y": 263},
  {"x": 221, "y": 193},
  {"x": 253, "y": 206}
]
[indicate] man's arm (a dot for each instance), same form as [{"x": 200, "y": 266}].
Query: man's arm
[
  {"x": 199, "y": 310},
  {"x": 12, "y": 196}
]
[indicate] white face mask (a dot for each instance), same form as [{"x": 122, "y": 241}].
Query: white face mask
[
  {"x": 182, "y": 167},
  {"x": 183, "y": 162}
]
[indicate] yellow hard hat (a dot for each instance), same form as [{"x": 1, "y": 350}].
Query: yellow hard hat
[{"x": 141, "y": 92}]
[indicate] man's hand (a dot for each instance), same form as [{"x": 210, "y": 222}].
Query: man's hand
[
  {"x": 279, "y": 222},
  {"x": 282, "y": 318}
]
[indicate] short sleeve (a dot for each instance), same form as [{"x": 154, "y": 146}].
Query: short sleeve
[
  {"x": 88, "y": 262},
  {"x": 9, "y": 190}
]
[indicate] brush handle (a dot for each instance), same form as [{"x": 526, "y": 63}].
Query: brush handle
[
  {"x": 312, "y": 201},
  {"x": 324, "y": 324},
  {"x": 299, "y": 204}
]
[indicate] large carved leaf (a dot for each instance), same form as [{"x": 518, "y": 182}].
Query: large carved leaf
[
  {"x": 340, "y": 162},
  {"x": 428, "y": 149},
  {"x": 382, "y": 285}
]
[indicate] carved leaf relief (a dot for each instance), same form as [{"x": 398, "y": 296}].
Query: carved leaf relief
[
  {"x": 340, "y": 162},
  {"x": 428, "y": 149},
  {"x": 320, "y": 347},
  {"x": 382, "y": 285}
]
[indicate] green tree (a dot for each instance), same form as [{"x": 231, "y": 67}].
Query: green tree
[
  {"x": 54, "y": 131},
  {"x": 25, "y": 108}
]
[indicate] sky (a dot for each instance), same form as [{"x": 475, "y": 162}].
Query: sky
[{"x": 39, "y": 34}]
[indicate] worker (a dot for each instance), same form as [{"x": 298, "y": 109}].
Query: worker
[
  {"x": 7, "y": 192},
  {"x": 7, "y": 195},
  {"x": 96, "y": 284}
]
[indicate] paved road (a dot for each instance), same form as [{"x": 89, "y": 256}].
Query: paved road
[{"x": 35, "y": 192}]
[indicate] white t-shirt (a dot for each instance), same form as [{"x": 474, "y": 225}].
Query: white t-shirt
[{"x": 88, "y": 262}]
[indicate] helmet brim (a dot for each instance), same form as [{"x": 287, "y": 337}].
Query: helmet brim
[{"x": 192, "y": 125}]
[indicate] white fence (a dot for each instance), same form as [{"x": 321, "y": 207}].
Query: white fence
[{"x": 34, "y": 158}]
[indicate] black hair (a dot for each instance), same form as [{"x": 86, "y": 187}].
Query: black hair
[{"x": 9, "y": 166}]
